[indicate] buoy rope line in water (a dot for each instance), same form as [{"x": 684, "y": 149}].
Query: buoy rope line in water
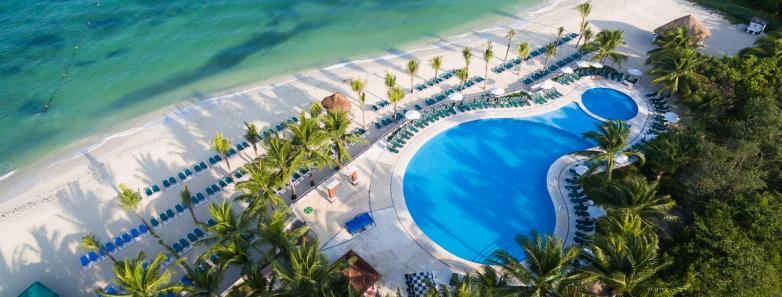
[{"x": 67, "y": 68}]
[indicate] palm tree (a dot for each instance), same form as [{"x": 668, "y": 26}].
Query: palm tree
[
  {"x": 139, "y": 278},
  {"x": 462, "y": 75},
  {"x": 551, "y": 50},
  {"x": 625, "y": 265},
  {"x": 206, "y": 278},
  {"x": 311, "y": 143},
  {"x": 622, "y": 223},
  {"x": 272, "y": 230},
  {"x": 255, "y": 281},
  {"x": 509, "y": 37},
  {"x": 664, "y": 155},
  {"x": 252, "y": 136},
  {"x": 395, "y": 95},
  {"x": 584, "y": 9},
  {"x": 337, "y": 125},
  {"x": 588, "y": 34},
  {"x": 487, "y": 55},
  {"x": 766, "y": 47},
  {"x": 390, "y": 80},
  {"x": 284, "y": 160},
  {"x": 91, "y": 243},
  {"x": 221, "y": 145},
  {"x": 679, "y": 74},
  {"x": 546, "y": 269},
  {"x": 607, "y": 45},
  {"x": 669, "y": 45},
  {"x": 458, "y": 287},
  {"x": 358, "y": 86},
  {"x": 130, "y": 200},
  {"x": 230, "y": 236},
  {"x": 412, "y": 69},
  {"x": 258, "y": 191},
  {"x": 584, "y": 26},
  {"x": 187, "y": 202},
  {"x": 306, "y": 271},
  {"x": 523, "y": 51},
  {"x": 612, "y": 139},
  {"x": 467, "y": 54},
  {"x": 560, "y": 32},
  {"x": 637, "y": 196},
  {"x": 437, "y": 64}
]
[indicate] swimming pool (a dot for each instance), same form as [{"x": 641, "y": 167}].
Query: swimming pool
[
  {"x": 472, "y": 188},
  {"x": 609, "y": 104}
]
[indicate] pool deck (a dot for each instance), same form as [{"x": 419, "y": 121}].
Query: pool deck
[{"x": 395, "y": 245}]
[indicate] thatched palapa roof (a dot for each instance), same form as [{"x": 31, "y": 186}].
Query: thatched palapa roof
[
  {"x": 360, "y": 274},
  {"x": 336, "y": 102},
  {"x": 689, "y": 22}
]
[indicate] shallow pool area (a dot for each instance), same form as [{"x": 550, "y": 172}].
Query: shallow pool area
[
  {"x": 609, "y": 104},
  {"x": 476, "y": 186}
]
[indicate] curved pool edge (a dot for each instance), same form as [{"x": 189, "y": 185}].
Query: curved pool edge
[{"x": 564, "y": 225}]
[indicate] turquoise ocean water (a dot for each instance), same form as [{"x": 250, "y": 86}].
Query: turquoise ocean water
[{"x": 137, "y": 56}]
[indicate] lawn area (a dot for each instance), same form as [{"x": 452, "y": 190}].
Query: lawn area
[{"x": 739, "y": 11}]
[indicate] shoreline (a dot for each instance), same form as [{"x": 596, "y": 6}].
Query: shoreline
[{"x": 125, "y": 128}]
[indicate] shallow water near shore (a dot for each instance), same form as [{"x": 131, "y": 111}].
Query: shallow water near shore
[{"x": 126, "y": 58}]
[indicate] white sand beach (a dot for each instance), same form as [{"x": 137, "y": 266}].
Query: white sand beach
[{"x": 47, "y": 208}]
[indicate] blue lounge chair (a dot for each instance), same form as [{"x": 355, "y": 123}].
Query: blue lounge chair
[
  {"x": 185, "y": 281},
  {"x": 135, "y": 233},
  {"x": 184, "y": 243},
  {"x": 85, "y": 262},
  {"x": 211, "y": 222},
  {"x": 192, "y": 237},
  {"x": 359, "y": 223},
  {"x": 155, "y": 223},
  {"x": 172, "y": 180},
  {"x": 110, "y": 247},
  {"x": 170, "y": 213},
  {"x": 127, "y": 238},
  {"x": 148, "y": 191},
  {"x": 143, "y": 229},
  {"x": 180, "y": 209},
  {"x": 93, "y": 256},
  {"x": 200, "y": 233},
  {"x": 166, "y": 184},
  {"x": 177, "y": 247},
  {"x": 119, "y": 243},
  {"x": 182, "y": 176},
  {"x": 155, "y": 188}
]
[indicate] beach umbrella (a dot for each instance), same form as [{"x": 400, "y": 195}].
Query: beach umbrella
[
  {"x": 581, "y": 169},
  {"x": 596, "y": 211},
  {"x": 412, "y": 115},
  {"x": 634, "y": 71},
  {"x": 498, "y": 92},
  {"x": 547, "y": 85},
  {"x": 671, "y": 117},
  {"x": 597, "y": 65},
  {"x": 582, "y": 64},
  {"x": 567, "y": 70},
  {"x": 456, "y": 97}
]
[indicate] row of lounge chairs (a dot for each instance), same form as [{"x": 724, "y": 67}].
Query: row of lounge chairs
[
  {"x": 585, "y": 225},
  {"x": 184, "y": 245},
  {"x": 537, "y": 52},
  {"x": 553, "y": 68},
  {"x": 119, "y": 243},
  {"x": 399, "y": 138},
  {"x": 659, "y": 125},
  {"x": 200, "y": 167},
  {"x": 547, "y": 95},
  {"x": 390, "y": 120},
  {"x": 434, "y": 81},
  {"x": 380, "y": 105}
]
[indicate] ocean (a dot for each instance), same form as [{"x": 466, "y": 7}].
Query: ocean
[{"x": 94, "y": 64}]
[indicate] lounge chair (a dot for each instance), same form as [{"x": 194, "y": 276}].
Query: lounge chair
[
  {"x": 170, "y": 214},
  {"x": 155, "y": 223},
  {"x": 180, "y": 209},
  {"x": 85, "y": 262},
  {"x": 135, "y": 233},
  {"x": 200, "y": 233},
  {"x": 192, "y": 237},
  {"x": 359, "y": 223},
  {"x": 143, "y": 229}
]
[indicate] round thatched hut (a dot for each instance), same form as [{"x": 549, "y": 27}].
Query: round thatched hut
[
  {"x": 336, "y": 102},
  {"x": 689, "y": 22}
]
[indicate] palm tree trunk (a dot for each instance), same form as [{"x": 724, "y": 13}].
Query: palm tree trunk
[
  {"x": 255, "y": 148},
  {"x": 486, "y": 75},
  {"x": 312, "y": 178},
  {"x": 192, "y": 214},
  {"x": 293, "y": 190},
  {"x": 609, "y": 169},
  {"x": 395, "y": 117},
  {"x": 435, "y": 73},
  {"x": 228, "y": 164},
  {"x": 507, "y": 50},
  {"x": 411, "y": 83},
  {"x": 518, "y": 72},
  {"x": 363, "y": 118}
]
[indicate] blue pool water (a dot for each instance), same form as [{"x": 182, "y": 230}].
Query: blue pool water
[
  {"x": 609, "y": 104},
  {"x": 474, "y": 187}
]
